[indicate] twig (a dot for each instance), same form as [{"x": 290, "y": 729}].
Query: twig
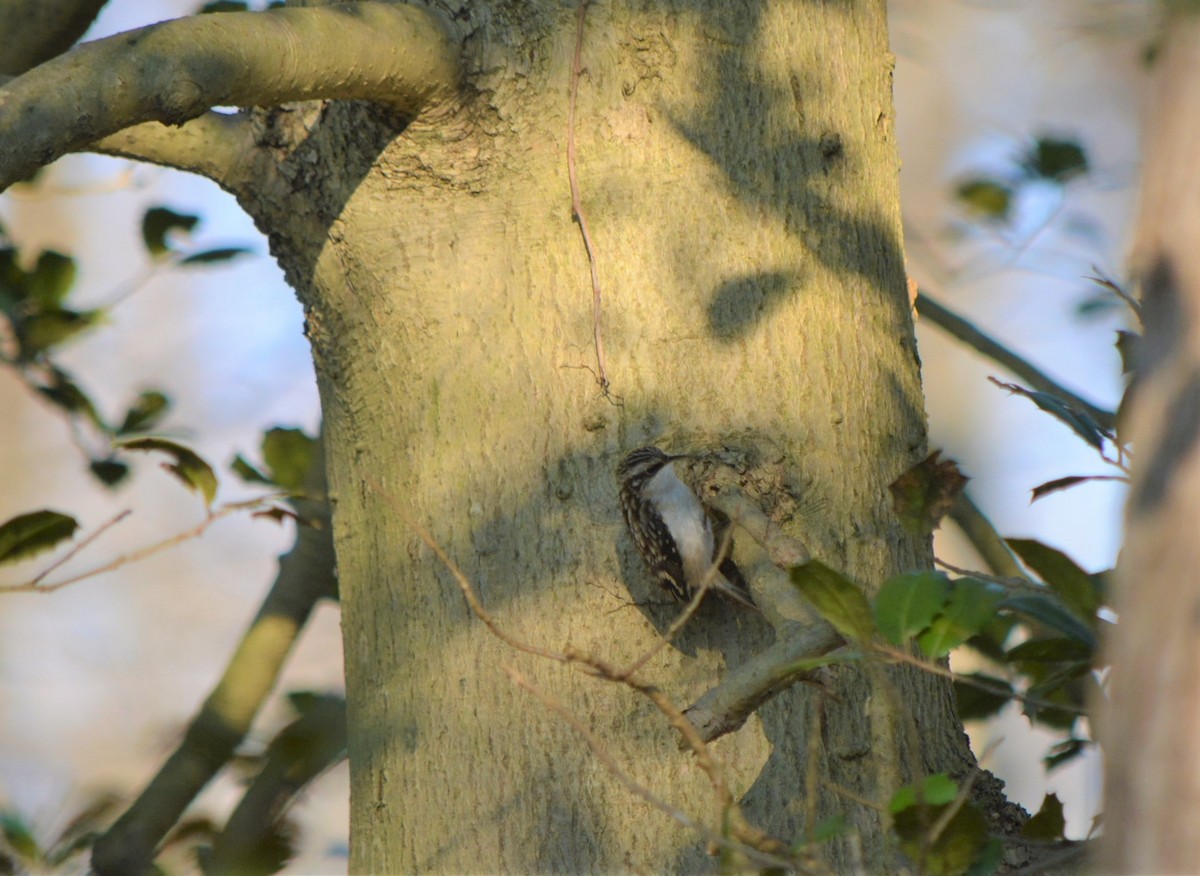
[
  {"x": 1102, "y": 279},
  {"x": 65, "y": 558},
  {"x": 639, "y": 790},
  {"x": 994, "y": 350},
  {"x": 577, "y": 202},
  {"x": 464, "y": 583},
  {"x": 124, "y": 560},
  {"x": 688, "y": 612}
]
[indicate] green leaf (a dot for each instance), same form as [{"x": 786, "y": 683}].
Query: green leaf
[
  {"x": 988, "y": 860},
  {"x": 288, "y": 454},
  {"x": 962, "y": 844},
  {"x": 828, "y": 829},
  {"x": 19, "y": 837},
  {"x": 975, "y": 703},
  {"x": 969, "y": 609},
  {"x": 51, "y": 279},
  {"x": 50, "y": 328},
  {"x": 988, "y": 198},
  {"x": 209, "y": 256},
  {"x": 907, "y": 604},
  {"x": 935, "y": 790},
  {"x": 145, "y": 413},
  {"x": 247, "y": 472},
  {"x": 1064, "y": 752},
  {"x": 189, "y": 468},
  {"x": 1073, "y": 585},
  {"x": 1048, "y": 611},
  {"x": 1048, "y": 651},
  {"x": 222, "y": 6},
  {"x": 28, "y": 534},
  {"x": 836, "y": 598},
  {"x": 109, "y": 472},
  {"x": 63, "y": 392},
  {"x": 158, "y": 222},
  {"x": 1055, "y": 159},
  {"x": 1049, "y": 822}
]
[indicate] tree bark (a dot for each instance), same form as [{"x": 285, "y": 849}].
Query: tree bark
[
  {"x": 738, "y": 170},
  {"x": 1153, "y": 767}
]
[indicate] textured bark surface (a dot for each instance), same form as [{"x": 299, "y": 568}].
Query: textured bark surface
[
  {"x": 1149, "y": 731},
  {"x": 738, "y": 168}
]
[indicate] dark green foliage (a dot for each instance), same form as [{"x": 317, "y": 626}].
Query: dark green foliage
[
  {"x": 188, "y": 467},
  {"x": 158, "y": 222},
  {"x": 1054, "y": 159},
  {"x": 907, "y": 604},
  {"x": 27, "y": 535},
  {"x": 1049, "y": 822},
  {"x": 988, "y": 199},
  {"x": 935, "y": 836},
  {"x": 836, "y": 598}
]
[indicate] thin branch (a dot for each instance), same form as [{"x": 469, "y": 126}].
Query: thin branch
[
  {"x": 397, "y": 55},
  {"x": 635, "y": 788},
  {"x": 84, "y": 542},
  {"x": 577, "y": 201},
  {"x": 997, "y": 352},
  {"x": 988, "y": 543},
  {"x": 33, "y": 586}
]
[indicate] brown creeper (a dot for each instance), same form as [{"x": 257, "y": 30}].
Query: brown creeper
[{"x": 671, "y": 530}]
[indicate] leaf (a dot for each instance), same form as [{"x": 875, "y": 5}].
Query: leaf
[
  {"x": 47, "y": 329},
  {"x": 962, "y": 843},
  {"x": 1073, "y": 585},
  {"x": 109, "y": 471},
  {"x": 25, "y": 535},
  {"x": 1049, "y": 612},
  {"x": 63, "y": 392},
  {"x": 194, "y": 472},
  {"x": 288, "y": 454},
  {"x": 828, "y": 829},
  {"x": 925, "y": 493},
  {"x": 145, "y": 413},
  {"x": 836, "y": 598},
  {"x": 907, "y": 604},
  {"x": 1055, "y": 650},
  {"x": 209, "y": 256},
  {"x": 988, "y": 198},
  {"x": 935, "y": 790},
  {"x": 1080, "y": 422},
  {"x": 988, "y": 859},
  {"x": 158, "y": 222},
  {"x": 222, "y": 6},
  {"x": 1064, "y": 752},
  {"x": 248, "y": 472},
  {"x": 1055, "y": 159},
  {"x": 1043, "y": 490},
  {"x": 1049, "y": 822},
  {"x": 19, "y": 837},
  {"x": 277, "y": 514},
  {"x": 971, "y": 606},
  {"x": 51, "y": 279},
  {"x": 975, "y": 703}
]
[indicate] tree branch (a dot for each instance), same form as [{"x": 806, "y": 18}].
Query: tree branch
[
  {"x": 213, "y": 145},
  {"x": 400, "y": 56},
  {"x": 34, "y": 31},
  {"x": 305, "y": 576},
  {"x": 987, "y": 345}
]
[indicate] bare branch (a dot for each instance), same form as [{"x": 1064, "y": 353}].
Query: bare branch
[
  {"x": 177, "y": 70},
  {"x": 987, "y": 345},
  {"x": 990, "y": 545}
]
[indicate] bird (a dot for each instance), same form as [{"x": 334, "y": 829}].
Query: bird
[{"x": 671, "y": 529}]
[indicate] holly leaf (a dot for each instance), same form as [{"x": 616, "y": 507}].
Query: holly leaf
[
  {"x": 145, "y": 413},
  {"x": 925, "y": 493},
  {"x": 1049, "y": 822},
  {"x": 1074, "y": 586},
  {"x": 836, "y": 598},
  {"x": 907, "y": 604},
  {"x": 26, "y": 535},
  {"x": 188, "y": 467},
  {"x": 969, "y": 609},
  {"x": 288, "y": 454},
  {"x": 158, "y": 222},
  {"x": 209, "y": 256}
]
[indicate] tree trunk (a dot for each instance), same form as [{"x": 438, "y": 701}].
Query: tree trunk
[{"x": 739, "y": 175}]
